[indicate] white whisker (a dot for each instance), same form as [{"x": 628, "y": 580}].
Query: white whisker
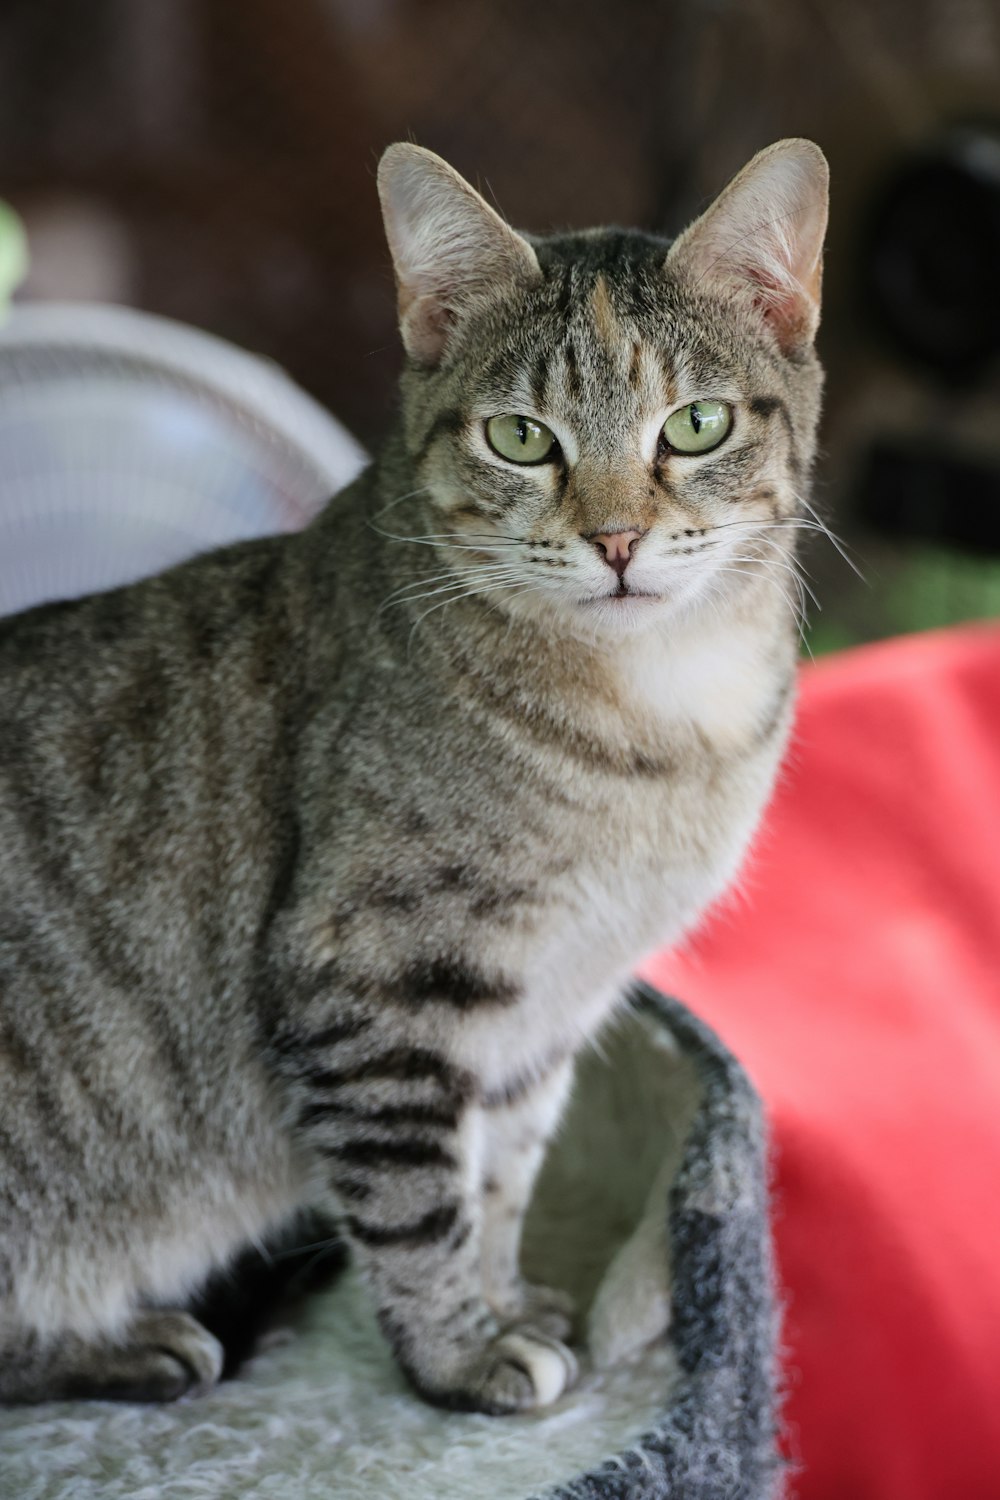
[
  {"x": 812, "y": 523},
  {"x": 511, "y": 586},
  {"x": 410, "y": 495},
  {"x": 399, "y": 594},
  {"x": 773, "y": 562},
  {"x": 449, "y": 540},
  {"x": 797, "y": 610},
  {"x": 836, "y": 541},
  {"x": 454, "y": 587}
]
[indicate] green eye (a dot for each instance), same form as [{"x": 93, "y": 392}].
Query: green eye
[
  {"x": 522, "y": 440},
  {"x": 699, "y": 427}
]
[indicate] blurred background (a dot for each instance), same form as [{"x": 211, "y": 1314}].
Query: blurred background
[{"x": 213, "y": 160}]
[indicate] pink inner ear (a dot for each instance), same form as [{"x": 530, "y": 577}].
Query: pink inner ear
[
  {"x": 783, "y": 304},
  {"x": 772, "y": 297},
  {"x": 425, "y": 328}
]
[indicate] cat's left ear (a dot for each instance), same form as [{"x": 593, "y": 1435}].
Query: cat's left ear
[
  {"x": 450, "y": 250},
  {"x": 762, "y": 240}
]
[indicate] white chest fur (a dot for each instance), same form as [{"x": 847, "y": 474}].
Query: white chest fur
[
  {"x": 710, "y": 677},
  {"x": 657, "y": 851}
]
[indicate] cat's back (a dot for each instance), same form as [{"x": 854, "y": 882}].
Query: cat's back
[
  {"x": 143, "y": 745},
  {"x": 146, "y": 739},
  {"x": 193, "y": 613}
]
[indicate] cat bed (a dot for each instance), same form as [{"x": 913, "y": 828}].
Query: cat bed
[{"x": 660, "y": 1164}]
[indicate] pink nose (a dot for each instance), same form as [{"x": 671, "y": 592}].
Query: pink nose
[{"x": 617, "y": 547}]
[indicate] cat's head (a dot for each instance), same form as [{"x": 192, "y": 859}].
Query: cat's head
[{"x": 605, "y": 427}]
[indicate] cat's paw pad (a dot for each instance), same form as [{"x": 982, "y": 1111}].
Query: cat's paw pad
[
  {"x": 182, "y": 1358},
  {"x": 544, "y": 1308},
  {"x": 524, "y": 1369}
]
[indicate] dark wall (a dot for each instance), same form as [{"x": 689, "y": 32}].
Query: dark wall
[{"x": 214, "y": 159}]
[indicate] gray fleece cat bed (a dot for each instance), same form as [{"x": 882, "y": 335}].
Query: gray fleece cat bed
[{"x": 651, "y": 1210}]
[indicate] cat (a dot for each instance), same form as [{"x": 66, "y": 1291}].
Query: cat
[{"x": 322, "y": 855}]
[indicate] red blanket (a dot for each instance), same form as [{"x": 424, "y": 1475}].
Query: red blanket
[{"x": 858, "y": 977}]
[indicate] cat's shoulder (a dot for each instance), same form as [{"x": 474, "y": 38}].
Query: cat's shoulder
[{"x": 225, "y": 581}]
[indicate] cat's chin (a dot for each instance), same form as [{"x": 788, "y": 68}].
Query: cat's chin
[
  {"x": 588, "y": 619},
  {"x": 621, "y": 614},
  {"x": 607, "y": 617}
]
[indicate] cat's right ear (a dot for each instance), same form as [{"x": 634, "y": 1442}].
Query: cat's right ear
[
  {"x": 450, "y": 250},
  {"x": 761, "y": 241}
]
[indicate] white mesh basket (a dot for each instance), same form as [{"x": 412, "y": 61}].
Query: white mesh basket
[{"x": 129, "y": 442}]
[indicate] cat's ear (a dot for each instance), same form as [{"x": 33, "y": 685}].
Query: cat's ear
[
  {"x": 449, "y": 248},
  {"x": 762, "y": 239}
]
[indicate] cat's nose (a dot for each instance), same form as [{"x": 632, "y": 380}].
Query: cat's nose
[{"x": 616, "y": 547}]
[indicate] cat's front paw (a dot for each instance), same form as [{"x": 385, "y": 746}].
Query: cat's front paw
[
  {"x": 545, "y": 1308},
  {"x": 173, "y": 1356},
  {"x": 521, "y": 1370}
]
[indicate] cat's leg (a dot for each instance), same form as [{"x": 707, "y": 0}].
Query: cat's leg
[
  {"x": 518, "y": 1124},
  {"x": 161, "y": 1356},
  {"x": 403, "y": 1139}
]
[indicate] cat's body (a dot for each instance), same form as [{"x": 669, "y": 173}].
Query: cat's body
[{"x": 321, "y": 857}]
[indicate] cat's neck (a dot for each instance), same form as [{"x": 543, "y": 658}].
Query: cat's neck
[{"x": 715, "y": 670}]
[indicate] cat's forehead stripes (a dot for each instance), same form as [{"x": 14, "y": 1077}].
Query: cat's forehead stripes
[
  {"x": 539, "y": 381},
  {"x": 614, "y": 351},
  {"x": 571, "y": 371},
  {"x": 606, "y": 325},
  {"x": 614, "y": 377}
]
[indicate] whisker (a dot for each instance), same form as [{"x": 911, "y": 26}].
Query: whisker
[
  {"x": 836, "y": 541},
  {"x": 798, "y": 613},
  {"x": 410, "y": 495},
  {"x": 796, "y": 561},
  {"x": 501, "y": 536},
  {"x": 453, "y": 588},
  {"x": 449, "y": 576},
  {"x": 795, "y": 523},
  {"x": 773, "y": 562},
  {"x": 489, "y": 588},
  {"x": 292, "y": 1250},
  {"x": 465, "y": 588},
  {"x": 771, "y": 578},
  {"x": 449, "y": 541}
]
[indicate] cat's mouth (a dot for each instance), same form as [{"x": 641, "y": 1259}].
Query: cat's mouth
[{"x": 622, "y": 597}]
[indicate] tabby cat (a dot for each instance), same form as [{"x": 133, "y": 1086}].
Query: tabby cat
[{"x": 321, "y": 856}]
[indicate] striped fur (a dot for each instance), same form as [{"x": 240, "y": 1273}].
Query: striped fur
[{"x": 321, "y": 856}]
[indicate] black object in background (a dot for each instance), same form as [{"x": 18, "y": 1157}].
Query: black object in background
[
  {"x": 932, "y": 255},
  {"x": 931, "y": 496}
]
